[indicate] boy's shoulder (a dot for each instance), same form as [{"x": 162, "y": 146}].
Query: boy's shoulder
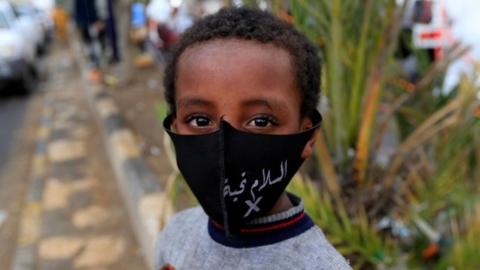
[
  {"x": 189, "y": 214},
  {"x": 184, "y": 223},
  {"x": 308, "y": 250},
  {"x": 182, "y": 226},
  {"x": 313, "y": 246}
]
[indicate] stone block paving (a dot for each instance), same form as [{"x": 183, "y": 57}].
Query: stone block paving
[{"x": 84, "y": 224}]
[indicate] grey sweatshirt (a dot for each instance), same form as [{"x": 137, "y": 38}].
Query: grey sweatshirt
[{"x": 191, "y": 241}]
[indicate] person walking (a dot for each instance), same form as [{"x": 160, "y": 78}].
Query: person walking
[
  {"x": 89, "y": 17},
  {"x": 60, "y": 21},
  {"x": 111, "y": 33}
]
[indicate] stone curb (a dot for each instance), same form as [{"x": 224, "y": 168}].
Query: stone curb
[
  {"x": 143, "y": 194},
  {"x": 30, "y": 224}
]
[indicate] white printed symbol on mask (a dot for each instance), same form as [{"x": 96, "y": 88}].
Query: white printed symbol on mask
[
  {"x": 266, "y": 181},
  {"x": 252, "y": 204},
  {"x": 227, "y": 191}
]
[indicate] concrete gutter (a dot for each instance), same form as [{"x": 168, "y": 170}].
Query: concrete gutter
[
  {"x": 29, "y": 230},
  {"x": 143, "y": 194},
  {"x": 147, "y": 204}
]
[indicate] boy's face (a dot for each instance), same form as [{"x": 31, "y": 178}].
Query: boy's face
[{"x": 248, "y": 84}]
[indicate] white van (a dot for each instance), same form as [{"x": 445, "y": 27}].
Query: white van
[{"x": 17, "y": 51}]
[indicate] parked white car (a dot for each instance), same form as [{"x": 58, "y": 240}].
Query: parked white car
[
  {"x": 29, "y": 20},
  {"x": 17, "y": 50}
]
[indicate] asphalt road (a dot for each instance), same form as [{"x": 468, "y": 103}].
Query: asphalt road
[
  {"x": 13, "y": 107},
  {"x": 12, "y": 112}
]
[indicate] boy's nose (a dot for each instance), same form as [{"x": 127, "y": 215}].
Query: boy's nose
[{"x": 231, "y": 121}]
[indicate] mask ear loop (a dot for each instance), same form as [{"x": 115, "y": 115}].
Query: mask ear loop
[
  {"x": 167, "y": 122},
  {"x": 316, "y": 118}
]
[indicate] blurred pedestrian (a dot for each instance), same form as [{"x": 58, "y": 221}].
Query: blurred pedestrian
[
  {"x": 90, "y": 16},
  {"x": 111, "y": 33},
  {"x": 138, "y": 34},
  {"x": 169, "y": 20},
  {"x": 138, "y": 24},
  {"x": 60, "y": 21}
]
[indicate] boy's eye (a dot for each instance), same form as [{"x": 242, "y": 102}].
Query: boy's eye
[
  {"x": 262, "y": 121},
  {"x": 199, "y": 121}
]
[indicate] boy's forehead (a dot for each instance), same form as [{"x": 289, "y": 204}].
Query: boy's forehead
[
  {"x": 248, "y": 72},
  {"x": 236, "y": 60},
  {"x": 235, "y": 51}
]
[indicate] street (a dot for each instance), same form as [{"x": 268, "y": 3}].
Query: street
[
  {"x": 116, "y": 136},
  {"x": 60, "y": 207},
  {"x": 12, "y": 112},
  {"x": 18, "y": 121}
]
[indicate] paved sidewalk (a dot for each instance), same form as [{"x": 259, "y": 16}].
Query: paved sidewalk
[{"x": 78, "y": 220}]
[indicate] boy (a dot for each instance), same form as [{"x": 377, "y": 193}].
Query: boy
[{"x": 242, "y": 87}]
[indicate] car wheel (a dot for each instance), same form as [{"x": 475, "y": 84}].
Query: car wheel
[
  {"x": 28, "y": 82},
  {"x": 42, "y": 49}
]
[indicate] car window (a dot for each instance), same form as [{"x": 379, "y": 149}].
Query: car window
[
  {"x": 21, "y": 10},
  {"x": 3, "y": 21}
]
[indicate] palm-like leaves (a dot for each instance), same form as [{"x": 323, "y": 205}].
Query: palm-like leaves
[{"x": 431, "y": 180}]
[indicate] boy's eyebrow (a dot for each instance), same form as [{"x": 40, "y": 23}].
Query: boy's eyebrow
[
  {"x": 192, "y": 101},
  {"x": 270, "y": 103}
]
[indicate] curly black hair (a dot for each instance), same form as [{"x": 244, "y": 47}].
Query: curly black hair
[{"x": 256, "y": 25}]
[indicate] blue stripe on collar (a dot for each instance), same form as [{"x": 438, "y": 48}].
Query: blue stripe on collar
[{"x": 260, "y": 239}]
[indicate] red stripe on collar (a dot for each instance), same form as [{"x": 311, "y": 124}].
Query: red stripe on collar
[{"x": 270, "y": 227}]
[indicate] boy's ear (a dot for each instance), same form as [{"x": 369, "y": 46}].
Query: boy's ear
[
  {"x": 310, "y": 145},
  {"x": 174, "y": 124}
]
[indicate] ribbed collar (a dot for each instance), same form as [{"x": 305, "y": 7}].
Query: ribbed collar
[
  {"x": 295, "y": 210},
  {"x": 266, "y": 230}
]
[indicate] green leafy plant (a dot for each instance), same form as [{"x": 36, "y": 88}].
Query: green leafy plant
[
  {"x": 433, "y": 163},
  {"x": 426, "y": 186},
  {"x": 356, "y": 237}
]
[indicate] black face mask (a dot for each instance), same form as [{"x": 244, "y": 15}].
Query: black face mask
[{"x": 237, "y": 176}]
